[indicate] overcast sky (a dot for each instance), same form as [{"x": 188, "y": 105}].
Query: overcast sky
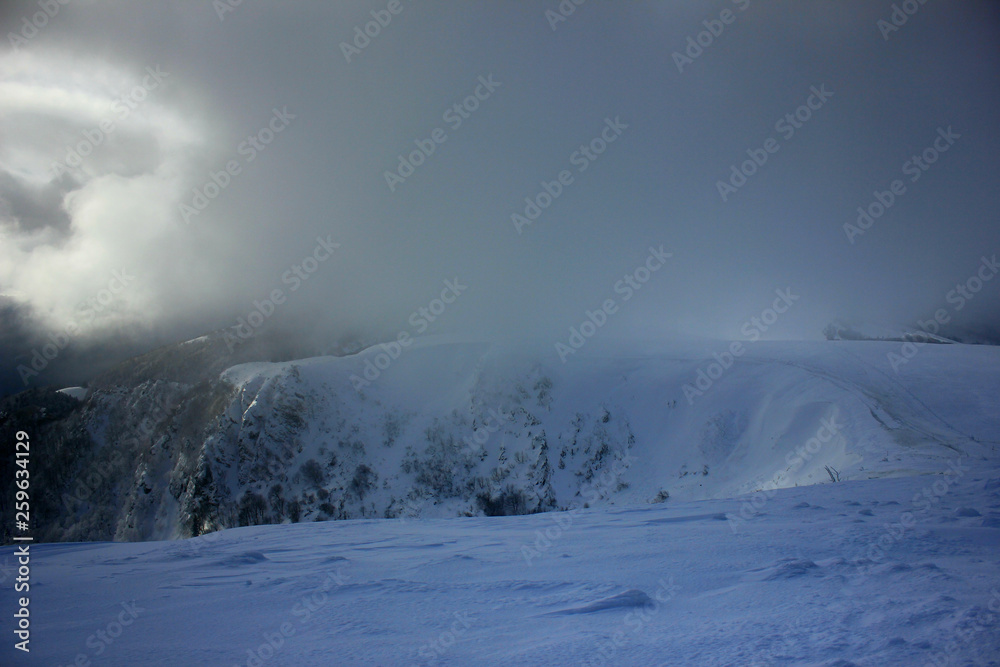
[{"x": 113, "y": 115}]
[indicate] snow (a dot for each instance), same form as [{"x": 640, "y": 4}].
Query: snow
[
  {"x": 756, "y": 557},
  {"x": 873, "y": 572},
  {"x": 79, "y": 393},
  {"x": 772, "y": 401},
  {"x": 875, "y": 331},
  {"x": 199, "y": 339}
]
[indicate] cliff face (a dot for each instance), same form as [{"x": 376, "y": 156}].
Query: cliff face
[
  {"x": 164, "y": 459},
  {"x": 171, "y": 447}
]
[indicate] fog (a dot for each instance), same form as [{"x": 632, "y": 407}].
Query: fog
[{"x": 169, "y": 168}]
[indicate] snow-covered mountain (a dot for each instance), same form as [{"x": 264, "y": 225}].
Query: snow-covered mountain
[
  {"x": 843, "y": 330},
  {"x": 182, "y": 442},
  {"x": 671, "y": 470}
]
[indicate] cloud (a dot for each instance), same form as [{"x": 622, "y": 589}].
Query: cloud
[
  {"x": 30, "y": 208},
  {"x": 98, "y": 199},
  {"x": 69, "y": 220}
]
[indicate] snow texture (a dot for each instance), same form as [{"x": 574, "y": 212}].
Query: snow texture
[{"x": 709, "y": 531}]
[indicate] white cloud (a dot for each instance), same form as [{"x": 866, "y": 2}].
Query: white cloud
[{"x": 126, "y": 153}]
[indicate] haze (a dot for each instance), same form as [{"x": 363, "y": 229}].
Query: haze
[{"x": 235, "y": 151}]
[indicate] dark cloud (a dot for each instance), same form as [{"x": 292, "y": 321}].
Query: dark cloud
[{"x": 31, "y": 209}]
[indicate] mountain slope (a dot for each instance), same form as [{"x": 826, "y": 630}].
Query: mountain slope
[{"x": 445, "y": 428}]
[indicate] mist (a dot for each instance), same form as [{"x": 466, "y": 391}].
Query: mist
[{"x": 493, "y": 170}]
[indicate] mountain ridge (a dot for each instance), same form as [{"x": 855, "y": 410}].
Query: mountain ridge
[{"x": 172, "y": 447}]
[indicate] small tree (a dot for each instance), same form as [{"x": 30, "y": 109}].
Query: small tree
[
  {"x": 253, "y": 510},
  {"x": 364, "y": 480},
  {"x": 294, "y": 511},
  {"x": 312, "y": 473}
]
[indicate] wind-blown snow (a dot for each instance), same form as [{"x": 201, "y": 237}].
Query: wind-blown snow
[
  {"x": 736, "y": 436},
  {"x": 876, "y": 572},
  {"x": 696, "y": 528},
  {"x": 79, "y": 393},
  {"x": 455, "y": 428}
]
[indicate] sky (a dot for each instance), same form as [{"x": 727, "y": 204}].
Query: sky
[{"x": 515, "y": 169}]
